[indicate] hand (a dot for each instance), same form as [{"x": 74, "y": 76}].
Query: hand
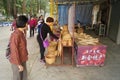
[
  {"x": 20, "y": 67},
  {"x": 11, "y": 29},
  {"x": 59, "y": 40}
]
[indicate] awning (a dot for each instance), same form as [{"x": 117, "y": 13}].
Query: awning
[{"x": 78, "y": 1}]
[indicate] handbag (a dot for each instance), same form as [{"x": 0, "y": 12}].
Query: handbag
[
  {"x": 8, "y": 51},
  {"x": 45, "y": 42}
]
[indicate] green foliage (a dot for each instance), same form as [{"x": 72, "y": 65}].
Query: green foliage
[{"x": 31, "y": 6}]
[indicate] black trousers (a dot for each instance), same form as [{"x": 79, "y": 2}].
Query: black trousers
[
  {"x": 42, "y": 49},
  {"x": 32, "y": 31}
]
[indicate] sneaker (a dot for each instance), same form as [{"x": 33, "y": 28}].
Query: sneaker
[{"x": 42, "y": 61}]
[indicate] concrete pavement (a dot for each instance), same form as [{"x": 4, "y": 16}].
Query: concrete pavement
[{"x": 37, "y": 70}]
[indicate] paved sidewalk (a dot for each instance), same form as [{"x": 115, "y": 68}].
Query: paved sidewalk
[{"x": 37, "y": 70}]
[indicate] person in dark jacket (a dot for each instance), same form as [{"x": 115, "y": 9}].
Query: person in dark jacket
[
  {"x": 18, "y": 49},
  {"x": 44, "y": 30}
]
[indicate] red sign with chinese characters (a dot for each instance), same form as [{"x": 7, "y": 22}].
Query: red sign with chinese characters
[{"x": 91, "y": 55}]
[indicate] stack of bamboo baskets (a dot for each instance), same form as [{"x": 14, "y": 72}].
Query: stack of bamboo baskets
[
  {"x": 51, "y": 52},
  {"x": 66, "y": 37}
]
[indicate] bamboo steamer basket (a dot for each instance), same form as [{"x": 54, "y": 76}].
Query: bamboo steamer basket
[
  {"x": 53, "y": 43},
  {"x": 53, "y": 52},
  {"x": 69, "y": 42},
  {"x": 51, "y": 48},
  {"x": 64, "y": 32},
  {"x": 50, "y": 58},
  {"x": 66, "y": 37},
  {"x": 65, "y": 28},
  {"x": 64, "y": 42}
]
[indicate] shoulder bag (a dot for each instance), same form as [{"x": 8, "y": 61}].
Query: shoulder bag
[{"x": 8, "y": 51}]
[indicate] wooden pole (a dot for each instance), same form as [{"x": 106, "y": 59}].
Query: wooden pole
[
  {"x": 57, "y": 10},
  {"x": 51, "y": 8}
]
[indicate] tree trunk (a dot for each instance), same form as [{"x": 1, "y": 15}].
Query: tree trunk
[
  {"x": 24, "y": 7},
  {"x": 8, "y": 7},
  {"x": 38, "y": 6},
  {"x": 30, "y": 8},
  {"x": 14, "y": 8}
]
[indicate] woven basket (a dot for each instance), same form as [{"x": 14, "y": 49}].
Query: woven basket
[
  {"x": 50, "y": 58},
  {"x": 51, "y": 48},
  {"x": 53, "y": 43},
  {"x": 69, "y": 42},
  {"x": 64, "y": 42},
  {"x": 65, "y": 28}
]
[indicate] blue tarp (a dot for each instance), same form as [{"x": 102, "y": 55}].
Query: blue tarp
[
  {"x": 63, "y": 14},
  {"x": 83, "y": 13}
]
